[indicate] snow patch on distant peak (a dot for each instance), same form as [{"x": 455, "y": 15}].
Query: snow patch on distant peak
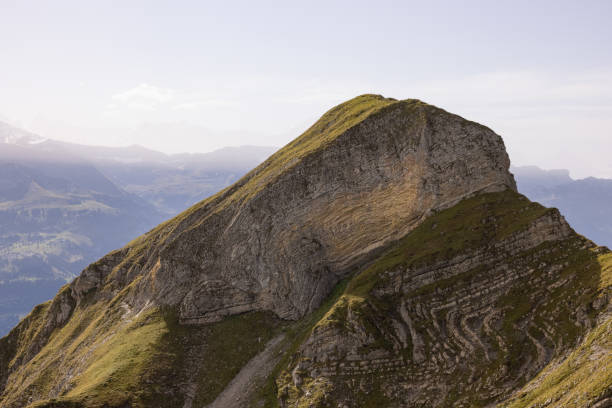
[
  {"x": 21, "y": 139},
  {"x": 15, "y": 136}
]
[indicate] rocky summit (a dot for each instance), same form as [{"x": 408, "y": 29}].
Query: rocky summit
[{"x": 381, "y": 259}]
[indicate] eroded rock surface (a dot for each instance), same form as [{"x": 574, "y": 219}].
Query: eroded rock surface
[{"x": 281, "y": 241}]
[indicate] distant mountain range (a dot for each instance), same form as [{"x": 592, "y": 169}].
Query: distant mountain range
[
  {"x": 585, "y": 203},
  {"x": 171, "y": 183},
  {"x": 62, "y": 205}
]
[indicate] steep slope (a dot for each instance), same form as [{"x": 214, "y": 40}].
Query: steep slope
[{"x": 450, "y": 288}]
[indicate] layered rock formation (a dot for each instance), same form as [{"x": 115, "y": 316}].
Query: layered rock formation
[
  {"x": 450, "y": 288},
  {"x": 468, "y": 308},
  {"x": 280, "y": 238}
]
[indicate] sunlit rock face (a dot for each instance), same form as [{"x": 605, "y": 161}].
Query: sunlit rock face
[{"x": 282, "y": 237}]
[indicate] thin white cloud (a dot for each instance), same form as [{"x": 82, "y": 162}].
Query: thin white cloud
[
  {"x": 143, "y": 97},
  {"x": 187, "y": 106},
  {"x": 523, "y": 89},
  {"x": 536, "y": 112},
  {"x": 154, "y": 100}
]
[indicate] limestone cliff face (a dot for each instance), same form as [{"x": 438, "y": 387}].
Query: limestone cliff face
[
  {"x": 381, "y": 259},
  {"x": 282, "y": 237}
]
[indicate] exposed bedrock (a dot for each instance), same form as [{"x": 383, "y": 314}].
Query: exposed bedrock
[{"x": 285, "y": 246}]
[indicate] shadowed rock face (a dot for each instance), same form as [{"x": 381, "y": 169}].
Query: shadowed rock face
[{"x": 310, "y": 223}]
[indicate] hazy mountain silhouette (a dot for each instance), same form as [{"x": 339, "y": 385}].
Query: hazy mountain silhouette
[{"x": 585, "y": 203}]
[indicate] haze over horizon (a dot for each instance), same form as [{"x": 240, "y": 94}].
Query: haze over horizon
[{"x": 199, "y": 76}]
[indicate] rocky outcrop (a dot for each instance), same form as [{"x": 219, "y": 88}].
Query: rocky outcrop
[{"x": 283, "y": 236}]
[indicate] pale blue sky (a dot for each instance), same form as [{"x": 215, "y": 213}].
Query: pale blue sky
[{"x": 195, "y": 75}]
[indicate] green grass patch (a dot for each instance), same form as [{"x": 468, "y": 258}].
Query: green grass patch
[{"x": 118, "y": 363}]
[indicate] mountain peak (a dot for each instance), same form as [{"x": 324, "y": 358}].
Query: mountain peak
[{"x": 321, "y": 205}]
